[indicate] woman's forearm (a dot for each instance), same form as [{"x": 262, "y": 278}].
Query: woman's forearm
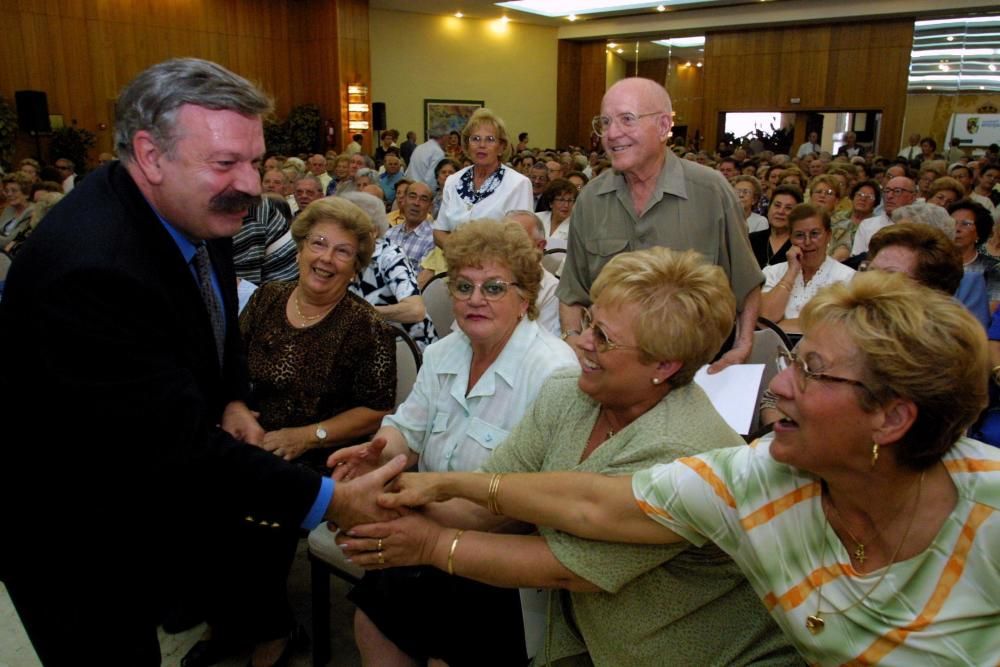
[
  {"x": 584, "y": 504},
  {"x": 352, "y": 424},
  {"x": 774, "y": 302},
  {"x": 409, "y": 310}
]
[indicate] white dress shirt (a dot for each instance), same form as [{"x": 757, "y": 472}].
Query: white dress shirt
[
  {"x": 830, "y": 271},
  {"x": 422, "y": 162},
  {"x": 514, "y": 192},
  {"x": 455, "y": 429},
  {"x": 866, "y": 230}
]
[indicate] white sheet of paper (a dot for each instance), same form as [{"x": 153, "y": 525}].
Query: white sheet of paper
[{"x": 733, "y": 392}]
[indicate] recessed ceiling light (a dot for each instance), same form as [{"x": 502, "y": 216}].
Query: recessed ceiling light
[
  {"x": 505, "y": 18},
  {"x": 687, "y": 64},
  {"x": 619, "y": 50},
  {"x": 612, "y": 45},
  {"x": 701, "y": 64},
  {"x": 459, "y": 15},
  {"x": 571, "y": 17},
  {"x": 661, "y": 8}
]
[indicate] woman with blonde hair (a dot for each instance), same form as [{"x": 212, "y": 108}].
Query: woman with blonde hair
[
  {"x": 866, "y": 522},
  {"x": 473, "y": 388},
  {"x": 487, "y": 188},
  {"x": 657, "y": 317}
]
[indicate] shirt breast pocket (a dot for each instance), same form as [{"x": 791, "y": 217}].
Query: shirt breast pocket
[
  {"x": 600, "y": 252},
  {"x": 487, "y": 435}
]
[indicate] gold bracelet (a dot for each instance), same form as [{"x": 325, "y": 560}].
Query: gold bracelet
[
  {"x": 781, "y": 284},
  {"x": 491, "y": 496},
  {"x": 451, "y": 552}
]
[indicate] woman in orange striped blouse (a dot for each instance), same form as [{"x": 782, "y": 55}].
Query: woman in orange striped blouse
[{"x": 866, "y": 523}]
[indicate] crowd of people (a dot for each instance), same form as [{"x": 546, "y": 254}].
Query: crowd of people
[{"x": 558, "y": 437}]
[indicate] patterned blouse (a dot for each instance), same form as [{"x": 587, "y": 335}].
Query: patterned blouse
[
  {"x": 387, "y": 280},
  {"x": 302, "y": 376}
]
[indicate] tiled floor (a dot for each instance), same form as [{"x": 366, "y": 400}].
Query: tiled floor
[{"x": 16, "y": 650}]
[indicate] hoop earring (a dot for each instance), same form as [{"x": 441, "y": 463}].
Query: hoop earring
[{"x": 874, "y": 454}]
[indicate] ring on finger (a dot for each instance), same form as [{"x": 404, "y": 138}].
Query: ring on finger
[
  {"x": 379, "y": 547},
  {"x": 381, "y": 558}
]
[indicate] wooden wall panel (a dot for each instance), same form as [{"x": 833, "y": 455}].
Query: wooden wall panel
[
  {"x": 81, "y": 52},
  {"x": 580, "y": 78},
  {"x": 829, "y": 67}
]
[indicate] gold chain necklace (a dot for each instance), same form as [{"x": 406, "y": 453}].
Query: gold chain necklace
[
  {"x": 815, "y": 622},
  {"x": 309, "y": 318},
  {"x": 859, "y": 551}
]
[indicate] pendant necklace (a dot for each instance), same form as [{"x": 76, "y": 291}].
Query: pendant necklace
[{"x": 814, "y": 622}]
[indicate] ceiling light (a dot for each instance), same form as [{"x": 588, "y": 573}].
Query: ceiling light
[
  {"x": 555, "y": 9},
  {"x": 950, "y": 38},
  {"x": 459, "y": 15},
  {"x": 661, "y": 8},
  {"x": 700, "y": 64},
  {"x": 612, "y": 45},
  {"x": 504, "y": 18},
  {"x": 571, "y": 17},
  {"x": 619, "y": 50},
  {"x": 687, "y": 64},
  {"x": 681, "y": 42}
]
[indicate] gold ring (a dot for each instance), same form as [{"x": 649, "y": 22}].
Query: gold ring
[
  {"x": 379, "y": 547},
  {"x": 381, "y": 558}
]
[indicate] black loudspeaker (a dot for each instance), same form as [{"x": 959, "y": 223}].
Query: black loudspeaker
[
  {"x": 32, "y": 111},
  {"x": 378, "y": 116}
]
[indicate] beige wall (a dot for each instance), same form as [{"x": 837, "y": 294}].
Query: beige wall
[
  {"x": 929, "y": 115},
  {"x": 419, "y": 56}
]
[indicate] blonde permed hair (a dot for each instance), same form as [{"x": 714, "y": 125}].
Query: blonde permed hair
[
  {"x": 686, "y": 307},
  {"x": 486, "y": 116},
  {"x": 348, "y": 216},
  {"x": 503, "y": 242},
  {"x": 917, "y": 344}
]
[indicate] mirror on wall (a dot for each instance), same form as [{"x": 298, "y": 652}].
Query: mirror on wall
[
  {"x": 954, "y": 82},
  {"x": 675, "y": 61}
]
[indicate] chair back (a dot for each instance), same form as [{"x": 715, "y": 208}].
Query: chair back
[
  {"x": 408, "y": 360},
  {"x": 766, "y": 343},
  {"x": 553, "y": 260},
  {"x": 437, "y": 300}
]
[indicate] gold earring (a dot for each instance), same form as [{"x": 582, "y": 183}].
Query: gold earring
[
  {"x": 874, "y": 454},
  {"x": 657, "y": 380}
]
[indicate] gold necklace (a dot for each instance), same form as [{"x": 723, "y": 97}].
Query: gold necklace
[
  {"x": 815, "y": 622},
  {"x": 309, "y": 318},
  {"x": 859, "y": 551}
]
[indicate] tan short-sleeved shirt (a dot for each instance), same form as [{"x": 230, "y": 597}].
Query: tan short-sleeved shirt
[{"x": 693, "y": 208}]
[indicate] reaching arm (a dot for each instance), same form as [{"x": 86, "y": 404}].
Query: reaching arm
[
  {"x": 408, "y": 310},
  {"x": 440, "y": 237},
  {"x": 499, "y": 560},
  {"x": 350, "y": 462},
  {"x": 588, "y": 505},
  {"x": 290, "y": 443},
  {"x": 746, "y": 322}
]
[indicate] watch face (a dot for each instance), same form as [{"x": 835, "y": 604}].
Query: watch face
[{"x": 321, "y": 433}]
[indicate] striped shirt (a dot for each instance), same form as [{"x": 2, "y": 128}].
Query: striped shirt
[
  {"x": 941, "y": 607},
  {"x": 263, "y": 249}
]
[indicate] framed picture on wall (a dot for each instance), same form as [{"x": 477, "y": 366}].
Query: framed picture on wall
[{"x": 449, "y": 114}]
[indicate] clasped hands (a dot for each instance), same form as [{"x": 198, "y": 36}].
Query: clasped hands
[
  {"x": 241, "y": 422},
  {"x": 405, "y": 538}
]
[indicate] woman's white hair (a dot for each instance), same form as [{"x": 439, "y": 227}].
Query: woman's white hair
[{"x": 372, "y": 207}]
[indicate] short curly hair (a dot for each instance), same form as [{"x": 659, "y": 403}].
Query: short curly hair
[
  {"x": 348, "y": 216},
  {"x": 917, "y": 344},
  {"x": 504, "y": 242},
  {"x": 686, "y": 307}
]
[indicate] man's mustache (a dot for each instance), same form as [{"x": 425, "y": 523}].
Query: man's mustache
[{"x": 231, "y": 201}]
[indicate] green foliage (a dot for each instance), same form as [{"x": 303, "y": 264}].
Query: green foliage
[
  {"x": 72, "y": 143},
  {"x": 8, "y": 132},
  {"x": 299, "y": 133}
]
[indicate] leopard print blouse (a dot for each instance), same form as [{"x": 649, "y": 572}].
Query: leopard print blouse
[{"x": 302, "y": 376}]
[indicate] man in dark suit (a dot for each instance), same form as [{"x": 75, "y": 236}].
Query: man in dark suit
[{"x": 122, "y": 353}]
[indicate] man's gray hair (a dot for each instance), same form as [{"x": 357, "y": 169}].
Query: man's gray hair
[
  {"x": 372, "y": 207},
  {"x": 152, "y": 100},
  {"x": 927, "y": 214},
  {"x": 365, "y": 171},
  {"x": 313, "y": 178},
  {"x": 539, "y": 227}
]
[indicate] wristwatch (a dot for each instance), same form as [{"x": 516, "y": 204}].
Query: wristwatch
[
  {"x": 320, "y": 433},
  {"x": 568, "y": 333}
]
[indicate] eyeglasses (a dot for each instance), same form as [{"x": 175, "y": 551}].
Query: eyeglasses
[
  {"x": 865, "y": 195},
  {"x": 478, "y": 139},
  {"x": 492, "y": 289},
  {"x": 601, "y": 340},
  {"x": 802, "y": 373},
  {"x": 564, "y": 200},
  {"x": 740, "y": 192},
  {"x": 321, "y": 246},
  {"x": 627, "y": 120},
  {"x": 897, "y": 191},
  {"x": 965, "y": 224},
  {"x": 824, "y": 192},
  {"x": 814, "y": 235}
]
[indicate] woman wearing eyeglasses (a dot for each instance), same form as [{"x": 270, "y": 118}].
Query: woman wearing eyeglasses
[
  {"x": 560, "y": 196},
  {"x": 657, "y": 317},
  {"x": 789, "y": 285},
  {"x": 865, "y": 197},
  {"x": 323, "y": 373},
  {"x": 473, "y": 388},
  {"x": 866, "y": 523},
  {"x": 487, "y": 189}
]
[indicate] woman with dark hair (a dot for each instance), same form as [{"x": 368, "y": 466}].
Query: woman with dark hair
[
  {"x": 865, "y": 198},
  {"x": 442, "y": 170},
  {"x": 560, "y": 196},
  {"x": 973, "y": 226},
  {"x": 770, "y": 245}
]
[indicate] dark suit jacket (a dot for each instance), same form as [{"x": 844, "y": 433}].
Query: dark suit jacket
[{"x": 112, "y": 393}]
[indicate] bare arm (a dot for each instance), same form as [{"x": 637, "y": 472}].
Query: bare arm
[
  {"x": 500, "y": 560},
  {"x": 746, "y": 322},
  {"x": 408, "y": 310},
  {"x": 441, "y": 237},
  {"x": 388, "y": 443},
  {"x": 290, "y": 443},
  {"x": 587, "y": 505},
  {"x": 569, "y": 320}
]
